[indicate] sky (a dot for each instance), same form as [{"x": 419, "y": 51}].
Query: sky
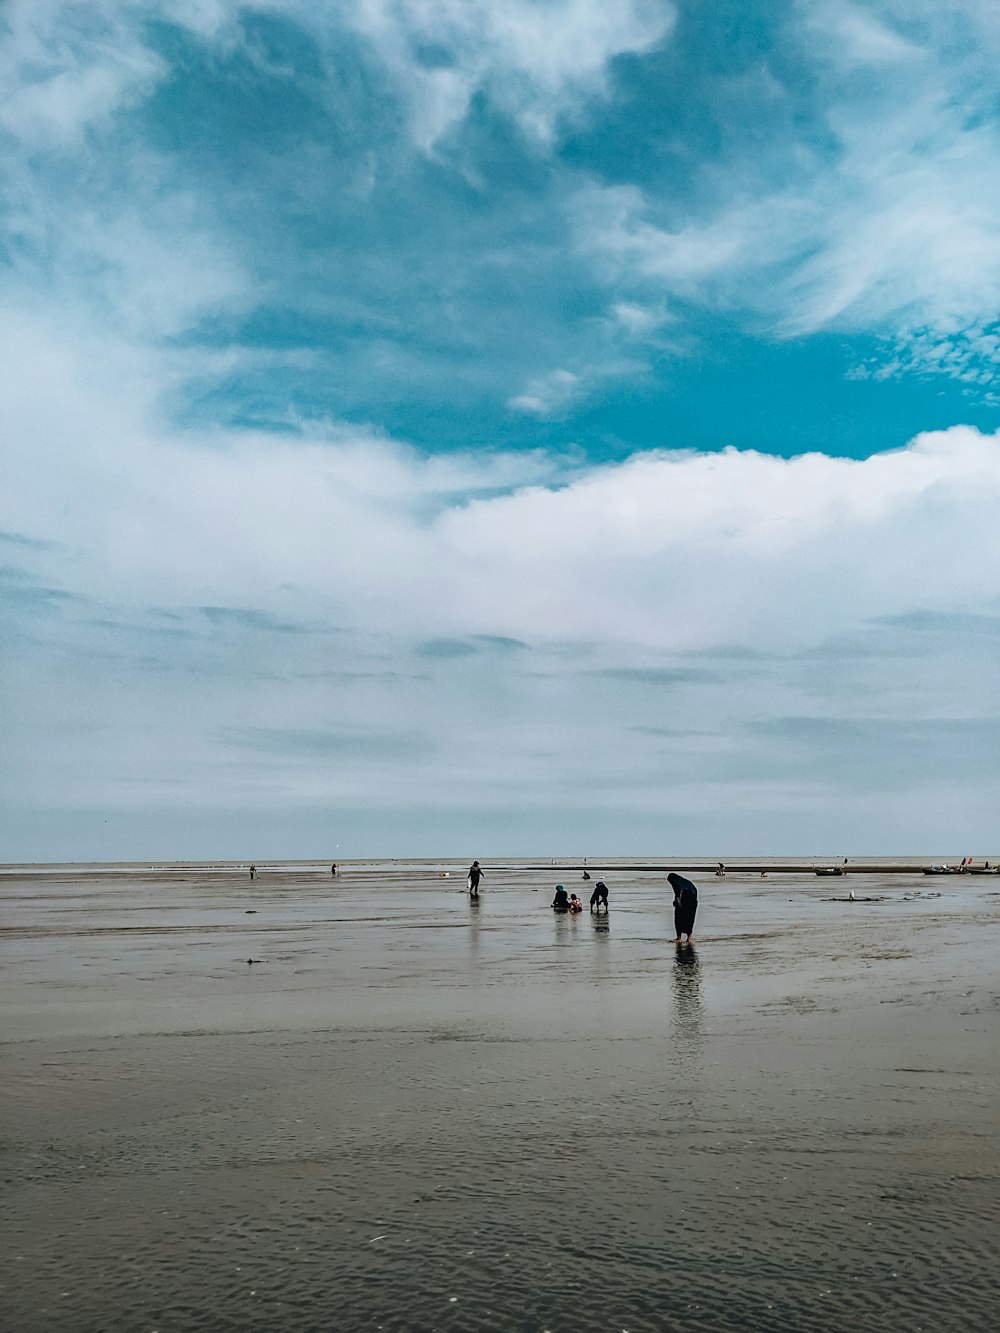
[{"x": 499, "y": 427}]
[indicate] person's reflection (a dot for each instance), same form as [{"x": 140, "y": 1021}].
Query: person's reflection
[
  {"x": 689, "y": 1007},
  {"x": 601, "y": 956},
  {"x": 474, "y": 931}
]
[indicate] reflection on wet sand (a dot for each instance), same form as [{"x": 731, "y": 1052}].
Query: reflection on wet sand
[
  {"x": 689, "y": 1004},
  {"x": 474, "y": 931},
  {"x": 392, "y": 1117}
]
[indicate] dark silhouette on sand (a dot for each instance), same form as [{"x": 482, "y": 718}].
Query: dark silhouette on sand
[
  {"x": 475, "y": 875},
  {"x": 599, "y": 896},
  {"x": 685, "y": 905}
]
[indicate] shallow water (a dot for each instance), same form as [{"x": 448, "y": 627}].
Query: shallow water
[{"x": 416, "y": 1112}]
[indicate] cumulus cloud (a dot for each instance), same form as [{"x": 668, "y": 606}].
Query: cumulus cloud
[{"x": 677, "y": 549}]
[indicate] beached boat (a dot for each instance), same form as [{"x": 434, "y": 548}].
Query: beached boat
[
  {"x": 962, "y": 870},
  {"x": 830, "y": 870}
]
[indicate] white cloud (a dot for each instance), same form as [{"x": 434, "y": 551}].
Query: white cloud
[
  {"x": 538, "y": 60},
  {"x": 889, "y": 227},
  {"x": 65, "y": 67},
  {"x": 639, "y": 320},
  {"x": 623, "y": 579},
  {"x": 854, "y": 36},
  {"x": 670, "y": 548},
  {"x": 549, "y": 395},
  {"x": 114, "y": 238}
]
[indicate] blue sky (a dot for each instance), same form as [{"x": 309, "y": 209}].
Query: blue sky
[{"x": 463, "y": 426}]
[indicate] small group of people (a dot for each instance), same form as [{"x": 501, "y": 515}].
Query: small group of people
[
  {"x": 685, "y": 899},
  {"x": 569, "y": 902},
  {"x": 566, "y": 902}
]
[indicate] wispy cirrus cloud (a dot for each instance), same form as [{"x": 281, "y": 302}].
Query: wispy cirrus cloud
[
  {"x": 879, "y": 214},
  {"x": 538, "y": 62}
]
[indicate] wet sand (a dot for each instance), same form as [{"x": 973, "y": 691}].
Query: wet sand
[{"x": 417, "y": 1112}]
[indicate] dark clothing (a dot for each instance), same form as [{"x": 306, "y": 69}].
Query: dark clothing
[
  {"x": 560, "y": 903},
  {"x": 475, "y": 875},
  {"x": 685, "y": 904},
  {"x": 600, "y": 894},
  {"x": 685, "y": 908}
]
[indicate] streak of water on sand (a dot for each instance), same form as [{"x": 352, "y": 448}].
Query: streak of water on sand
[{"x": 518, "y": 1122}]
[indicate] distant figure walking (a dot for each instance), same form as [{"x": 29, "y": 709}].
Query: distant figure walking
[
  {"x": 560, "y": 903},
  {"x": 253, "y": 872},
  {"x": 721, "y": 870},
  {"x": 685, "y": 906},
  {"x": 333, "y": 870},
  {"x": 475, "y": 875},
  {"x": 599, "y": 896}
]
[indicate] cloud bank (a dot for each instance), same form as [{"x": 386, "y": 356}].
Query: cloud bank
[{"x": 329, "y": 620}]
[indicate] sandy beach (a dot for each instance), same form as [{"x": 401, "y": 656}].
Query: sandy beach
[{"x": 416, "y": 1112}]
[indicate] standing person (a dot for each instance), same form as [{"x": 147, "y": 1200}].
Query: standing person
[
  {"x": 685, "y": 906},
  {"x": 333, "y": 870},
  {"x": 253, "y": 872},
  {"x": 475, "y": 875}
]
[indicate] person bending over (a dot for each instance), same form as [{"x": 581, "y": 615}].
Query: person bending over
[
  {"x": 599, "y": 896},
  {"x": 685, "y": 906}
]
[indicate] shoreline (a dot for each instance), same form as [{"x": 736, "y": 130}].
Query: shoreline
[{"x": 454, "y": 867}]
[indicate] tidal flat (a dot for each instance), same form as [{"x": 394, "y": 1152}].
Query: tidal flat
[{"x": 417, "y": 1112}]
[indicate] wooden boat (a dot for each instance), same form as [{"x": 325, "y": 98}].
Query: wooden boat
[{"x": 962, "y": 870}]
